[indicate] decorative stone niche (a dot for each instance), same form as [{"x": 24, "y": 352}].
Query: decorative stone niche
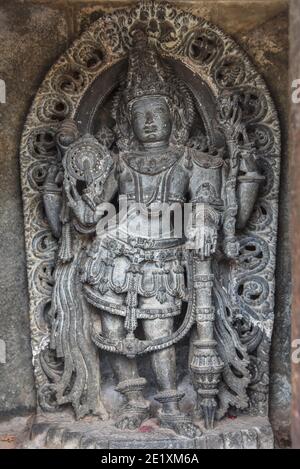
[{"x": 200, "y": 314}]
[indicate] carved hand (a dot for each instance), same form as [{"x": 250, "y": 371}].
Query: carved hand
[
  {"x": 206, "y": 241},
  {"x": 231, "y": 249},
  {"x": 54, "y": 178},
  {"x": 52, "y": 197},
  {"x": 230, "y": 117},
  {"x": 248, "y": 162},
  {"x": 75, "y": 201},
  {"x": 203, "y": 231},
  {"x": 67, "y": 134}
]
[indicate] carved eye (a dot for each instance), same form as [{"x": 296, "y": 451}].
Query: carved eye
[{"x": 138, "y": 115}]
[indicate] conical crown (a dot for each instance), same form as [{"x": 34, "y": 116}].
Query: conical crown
[{"x": 147, "y": 74}]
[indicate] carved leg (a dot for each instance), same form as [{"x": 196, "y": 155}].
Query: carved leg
[
  {"x": 206, "y": 364},
  {"x": 164, "y": 368},
  {"x": 136, "y": 408}
]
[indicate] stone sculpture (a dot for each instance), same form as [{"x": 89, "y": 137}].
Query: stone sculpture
[{"x": 202, "y": 147}]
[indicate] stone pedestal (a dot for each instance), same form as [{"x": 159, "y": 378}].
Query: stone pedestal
[{"x": 241, "y": 433}]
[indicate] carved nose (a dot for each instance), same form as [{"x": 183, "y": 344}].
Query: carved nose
[{"x": 149, "y": 119}]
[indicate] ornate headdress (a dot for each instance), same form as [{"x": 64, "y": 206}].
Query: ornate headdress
[{"x": 149, "y": 75}]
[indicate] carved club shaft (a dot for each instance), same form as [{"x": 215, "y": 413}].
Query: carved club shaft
[{"x": 206, "y": 363}]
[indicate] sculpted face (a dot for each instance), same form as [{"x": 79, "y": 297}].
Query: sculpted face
[{"x": 151, "y": 120}]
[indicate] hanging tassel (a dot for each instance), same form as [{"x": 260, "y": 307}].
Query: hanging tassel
[
  {"x": 65, "y": 253},
  {"x": 131, "y": 303},
  {"x": 131, "y": 319}
]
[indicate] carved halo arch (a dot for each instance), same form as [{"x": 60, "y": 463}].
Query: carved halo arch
[{"x": 210, "y": 63}]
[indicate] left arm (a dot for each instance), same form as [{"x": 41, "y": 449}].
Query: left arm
[
  {"x": 241, "y": 184},
  {"x": 205, "y": 195}
]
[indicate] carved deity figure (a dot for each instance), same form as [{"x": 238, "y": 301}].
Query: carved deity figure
[{"x": 125, "y": 283}]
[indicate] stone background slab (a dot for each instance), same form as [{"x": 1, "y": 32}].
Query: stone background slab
[{"x": 33, "y": 33}]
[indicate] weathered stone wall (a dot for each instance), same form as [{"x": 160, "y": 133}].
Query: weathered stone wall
[
  {"x": 33, "y": 34},
  {"x": 295, "y": 204}
]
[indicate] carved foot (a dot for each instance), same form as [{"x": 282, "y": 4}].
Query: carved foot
[
  {"x": 131, "y": 419},
  {"x": 180, "y": 424},
  {"x": 136, "y": 410}
]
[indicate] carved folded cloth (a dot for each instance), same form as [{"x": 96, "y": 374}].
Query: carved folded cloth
[{"x": 118, "y": 277}]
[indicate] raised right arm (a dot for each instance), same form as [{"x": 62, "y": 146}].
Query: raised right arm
[
  {"x": 52, "y": 189},
  {"x": 87, "y": 208}
]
